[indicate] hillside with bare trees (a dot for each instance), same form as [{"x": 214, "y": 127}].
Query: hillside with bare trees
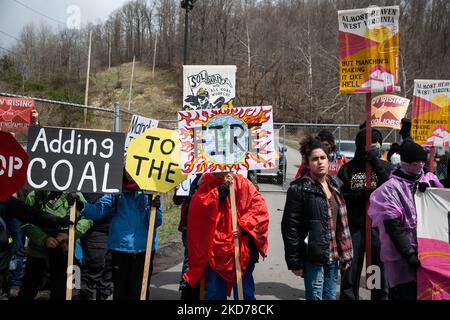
[{"x": 285, "y": 51}]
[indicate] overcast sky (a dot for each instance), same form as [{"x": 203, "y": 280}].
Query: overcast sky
[{"x": 14, "y": 15}]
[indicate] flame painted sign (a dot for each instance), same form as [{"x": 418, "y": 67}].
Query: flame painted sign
[{"x": 227, "y": 139}]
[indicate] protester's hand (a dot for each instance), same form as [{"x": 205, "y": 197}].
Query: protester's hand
[
  {"x": 298, "y": 273},
  {"x": 34, "y": 117},
  {"x": 229, "y": 178},
  {"x": 423, "y": 186},
  {"x": 238, "y": 232},
  {"x": 344, "y": 266},
  {"x": 51, "y": 243},
  {"x": 62, "y": 236},
  {"x": 413, "y": 260},
  {"x": 75, "y": 198},
  {"x": 64, "y": 222},
  {"x": 156, "y": 201}
]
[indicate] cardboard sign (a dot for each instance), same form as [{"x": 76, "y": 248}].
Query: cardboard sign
[
  {"x": 208, "y": 87},
  {"x": 15, "y": 113},
  {"x": 71, "y": 160},
  {"x": 369, "y": 50},
  {"x": 137, "y": 126},
  {"x": 220, "y": 140},
  {"x": 431, "y": 113},
  {"x": 185, "y": 186},
  {"x": 388, "y": 111},
  {"x": 153, "y": 160},
  {"x": 13, "y": 165}
]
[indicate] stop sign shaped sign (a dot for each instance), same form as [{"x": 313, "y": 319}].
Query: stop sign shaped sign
[{"x": 13, "y": 165}]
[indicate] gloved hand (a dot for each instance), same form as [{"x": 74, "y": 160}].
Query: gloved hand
[
  {"x": 422, "y": 186},
  {"x": 413, "y": 260},
  {"x": 74, "y": 198},
  {"x": 64, "y": 222},
  {"x": 156, "y": 201}
]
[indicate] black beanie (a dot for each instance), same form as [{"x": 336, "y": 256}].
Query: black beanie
[
  {"x": 360, "y": 139},
  {"x": 326, "y": 135},
  {"x": 412, "y": 152}
]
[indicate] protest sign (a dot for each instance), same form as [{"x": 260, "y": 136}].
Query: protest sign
[
  {"x": 15, "y": 113},
  {"x": 137, "y": 126},
  {"x": 388, "y": 111},
  {"x": 71, "y": 160},
  {"x": 153, "y": 160},
  {"x": 369, "y": 50},
  {"x": 227, "y": 139},
  {"x": 431, "y": 113},
  {"x": 208, "y": 87},
  {"x": 13, "y": 165},
  {"x": 433, "y": 277}
]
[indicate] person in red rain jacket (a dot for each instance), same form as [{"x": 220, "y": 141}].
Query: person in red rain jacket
[{"x": 211, "y": 236}]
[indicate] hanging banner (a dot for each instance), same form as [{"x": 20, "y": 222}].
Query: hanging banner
[
  {"x": 15, "y": 113},
  {"x": 433, "y": 237},
  {"x": 70, "y": 160},
  {"x": 153, "y": 160},
  {"x": 218, "y": 140},
  {"x": 388, "y": 111},
  {"x": 430, "y": 113},
  {"x": 208, "y": 87},
  {"x": 368, "y": 50},
  {"x": 137, "y": 126}
]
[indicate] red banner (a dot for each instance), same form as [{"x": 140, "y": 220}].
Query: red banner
[{"x": 15, "y": 113}]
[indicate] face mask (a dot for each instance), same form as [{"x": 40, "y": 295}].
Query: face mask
[{"x": 412, "y": 169}]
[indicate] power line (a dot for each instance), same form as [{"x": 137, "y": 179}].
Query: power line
[
  {"x": 7, "y": 50},
  {"x": 7, "y": 34},
  {"x": 40, "y": 13}
]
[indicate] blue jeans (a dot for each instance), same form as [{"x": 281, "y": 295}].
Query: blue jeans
[
  {"x": 17, "y": 254},
  {"x": 216, "y": 286},
  {"x": 320, "y": 280}
]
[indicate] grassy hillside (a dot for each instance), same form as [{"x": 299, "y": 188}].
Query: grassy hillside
[{"x": 157, "y": 97}]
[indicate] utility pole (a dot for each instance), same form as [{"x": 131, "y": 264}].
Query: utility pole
[
  {"x": 131, "y": 83},
  {"x": 86, "y": 95},
  {"x": 186, "y": 5}
]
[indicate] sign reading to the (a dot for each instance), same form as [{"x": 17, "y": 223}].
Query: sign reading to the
[
  {"x": 153, "y": 160},
  {"x": 218, "y": 140},
  {"x": 75, "y": 160},
  {"x": 15, "y": 113},
  {"x": 13, "y": 165}
]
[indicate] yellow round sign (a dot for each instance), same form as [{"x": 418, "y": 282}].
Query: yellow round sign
[{"x": 153, "y": 160}]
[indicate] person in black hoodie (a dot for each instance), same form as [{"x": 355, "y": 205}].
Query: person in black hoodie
[{"x": 353, "y": 176}]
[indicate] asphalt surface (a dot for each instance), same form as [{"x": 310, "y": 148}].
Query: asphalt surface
[{"x": 273, "y": 281}]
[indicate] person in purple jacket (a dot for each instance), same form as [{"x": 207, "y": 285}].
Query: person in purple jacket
[{"x": 393, "y": 211}]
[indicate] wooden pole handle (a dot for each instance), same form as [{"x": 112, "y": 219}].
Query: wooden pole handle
[
  {"x": 71, "y": 246},
  {"x": 148, "y": 253},
  {"x": 236, "y": 243}
]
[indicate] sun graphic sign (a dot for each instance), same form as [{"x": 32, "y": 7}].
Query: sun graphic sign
[
  {"x": 431, "y": 113},
  {"x": 227, "y": 139},
  {"x": 368, "y": 50}
]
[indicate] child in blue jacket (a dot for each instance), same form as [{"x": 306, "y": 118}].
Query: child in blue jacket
[{"x": 127, "y": 239}]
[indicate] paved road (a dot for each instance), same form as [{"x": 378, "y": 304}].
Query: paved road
[{"x": 272, "y": 279}]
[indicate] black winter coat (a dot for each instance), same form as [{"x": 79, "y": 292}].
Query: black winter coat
[{"x": 306, "y": 215}]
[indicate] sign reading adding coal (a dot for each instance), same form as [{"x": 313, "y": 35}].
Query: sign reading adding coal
[{"x": 75, "y": 160}]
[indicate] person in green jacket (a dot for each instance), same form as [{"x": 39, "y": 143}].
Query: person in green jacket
[{"x": 48, "y": 247}]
